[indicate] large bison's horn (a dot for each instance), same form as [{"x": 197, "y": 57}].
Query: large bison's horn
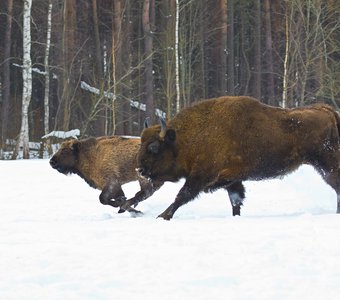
[
  {"x": 163, "y": 127},
  {"x": 147, "y": 122}
]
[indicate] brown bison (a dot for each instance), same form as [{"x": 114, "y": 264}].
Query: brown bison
[
  {"x": 104, "y": 163},
  {"x": 219, "y": 143}
]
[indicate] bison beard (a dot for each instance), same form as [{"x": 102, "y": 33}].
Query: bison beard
[{"x": 219, "y": 143}]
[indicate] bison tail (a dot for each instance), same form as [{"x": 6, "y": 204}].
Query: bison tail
[{"x": 335, "y": 113}]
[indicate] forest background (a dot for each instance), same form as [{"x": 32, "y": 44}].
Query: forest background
[{"x": 102, "y": 66}]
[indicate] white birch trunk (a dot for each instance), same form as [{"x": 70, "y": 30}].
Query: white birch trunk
[
  {"x": 47, "y": 78},
  {"x": 27, "y": 79},
  {"x": 285, "y": 68},
  {"x": 114, "y": 84},
  {"x": 178, "y": 95},
  {"x": 47, "y": 69}
]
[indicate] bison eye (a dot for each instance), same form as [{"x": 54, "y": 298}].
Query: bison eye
[{"x": 154, "y": 147}]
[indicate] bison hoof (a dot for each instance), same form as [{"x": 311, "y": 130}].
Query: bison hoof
[
  {"x": 165, "y": 216},
  {"x": 236, "y": 211},
  {"x": 126, "y": 207},
  {"x": 168, "y": 213}
]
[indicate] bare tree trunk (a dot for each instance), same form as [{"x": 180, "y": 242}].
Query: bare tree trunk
[
  {"x": 278, "y": 25},
  {"x": 257, "y": 61},
  {"x": 203, "y": 61},
  {"x": 27, "y": 81},
  {"x": 285, "y": 64},
  {"x": 47, "y": 76},
  {"x": 269, "y": 55},
  {"x": 231, "y": 57},
  {"x": 244, "y": 69},
  {"x": 178, "y": 95},
  {"x": 99, "y": 60},
  {"x": 100, "y": 122},
  {"x": 115, "y": 36},
  {"x": 320, "y": 49},
  {"x": 193, "y": 65},
  {"x": 117, "y": 62},
  {"x": 69, "y": 61},
  {"x": 169, "y": 57},
  {"x": 148, "y": 45},
  {"x": 223, "y": 49},
  {"x": 6, "y": 75},
  {"x": 128, "y": 62}
]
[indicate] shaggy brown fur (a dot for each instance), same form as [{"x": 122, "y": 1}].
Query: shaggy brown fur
[
  {"x": 105, "y": 163},
  {"x": 219, "y": 143}
]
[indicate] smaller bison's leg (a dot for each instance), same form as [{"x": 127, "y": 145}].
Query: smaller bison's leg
[
  {"x": 236, "y": 193},
  {"x": 147, "y": 190},
  {"x": 188, "y": 192},
  {"x": 112, "y": 191}
]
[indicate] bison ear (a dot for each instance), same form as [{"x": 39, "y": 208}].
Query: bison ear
[
  {"x": 75, "y": 146},
  {"x": 170, "y": 136}
]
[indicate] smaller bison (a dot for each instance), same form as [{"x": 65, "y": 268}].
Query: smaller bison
[
  {"x": 105, "y": 163},
  {"x": 221, "y": 142}
]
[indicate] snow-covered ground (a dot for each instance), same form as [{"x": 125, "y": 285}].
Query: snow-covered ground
[{"x": 58, "y": 242}]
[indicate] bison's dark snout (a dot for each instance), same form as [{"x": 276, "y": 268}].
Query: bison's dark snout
[{"x": 53, "y": 162}]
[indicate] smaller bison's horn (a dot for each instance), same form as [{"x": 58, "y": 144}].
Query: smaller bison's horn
[
  {"x": 163, "y": 127},
  {"x": 147, "y": 122}
]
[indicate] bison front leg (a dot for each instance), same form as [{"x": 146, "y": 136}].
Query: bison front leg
[
  {"x": 188, "y": 192},
  {"x": 115, "y": 192},
  {"x": 112, "y": 191},
  {"x": 147, "y": 190}
]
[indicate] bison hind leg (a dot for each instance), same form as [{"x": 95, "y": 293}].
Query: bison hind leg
[
  {"x": 333, "y": 179},
  {"x": 236, "y": 193},
  {"x": 328, "y": 168}
]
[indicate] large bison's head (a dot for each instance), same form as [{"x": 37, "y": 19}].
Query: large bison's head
[
  {"x": 64, "y": 160},
  {"x": 156, "y": 158}
]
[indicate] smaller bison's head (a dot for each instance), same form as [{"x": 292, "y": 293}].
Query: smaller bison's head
[
  {"x": 156, "y": 158},
  {"x": 64, "y": 160}
]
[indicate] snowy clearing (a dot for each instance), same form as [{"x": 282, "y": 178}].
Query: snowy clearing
[{"x": 58, "y": 242}]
